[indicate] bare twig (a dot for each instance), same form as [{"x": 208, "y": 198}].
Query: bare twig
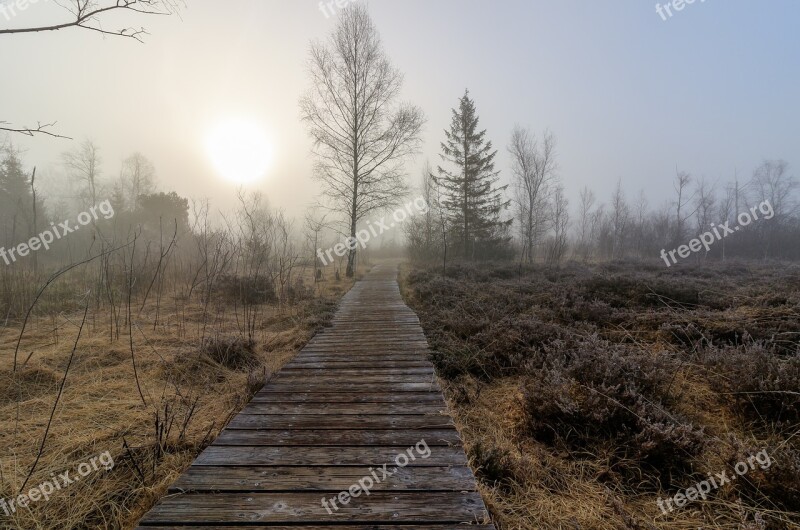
[
  {"x": 58, "y": 397},
  {"x": 29, "y": 131},
  {"x": 47, "y": 284},
  {"x": 87, "y": 13}
]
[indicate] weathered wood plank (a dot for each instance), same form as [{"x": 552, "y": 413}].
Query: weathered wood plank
[
  {"x": 295, "y": 508},
  {"x": 429, "y": 526},
  {"x": 403, "y": 438},
  {"x": 355, "y": 421},
  {"x": 363, "y": 379},
  {"x": 345, "y": 409},
  {"x": 344, "y": 364},
  {"x": 329, "y": 456},
  {"x": 283, "y": 387},
  {"x": 422, "y": 371},
  {"x": 367, "y": 351},
  {"x": 324, "y": 478},
  {"x": 344, "y": 397},
  {"x": 349, "y": 357}
]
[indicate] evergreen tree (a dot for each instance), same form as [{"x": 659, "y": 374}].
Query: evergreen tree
[
  {"x": 16, "y": 199},
  {"x": 472, "y": 199}
]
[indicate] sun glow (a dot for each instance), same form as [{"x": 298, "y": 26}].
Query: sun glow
[{"x": 240, "y": 150}]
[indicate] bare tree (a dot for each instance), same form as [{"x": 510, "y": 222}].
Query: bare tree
[
  {"x": 620, "y": 217},
  {"x": 559, "y": 212},
  {"x": 772, "y": 183},
  {"x": 725, "y": 210},
  {"x": 641, "y": 222},
  {"x": 534, "y": 168},
  {"x": 314, "y": 225},
  {"x": 138, "y": 178},
  {"x": 441, "y": 218},
  {"x": 585, "y": 220},
  {"x": 35, "y": 219},
  {"x": 83, "y": 165},
  {"x": 682, "y": 181},
  {"x": 424, "y": 239},
  {"x": 361, "y": 137},
  {"x": 705, "y": 202}
]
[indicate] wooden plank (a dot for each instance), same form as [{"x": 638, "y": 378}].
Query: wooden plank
[
  {"x": 403, "y": 438},
  {"x": 327, "y": 456},
  {"x": 283, "y": 387},
  {"x": 345, "y": 409},
  {"x": 429, "y": 526},
  {"x": 302, "y": 364},
  {"x": 364, "y": 378},
  {"x": 324, "y": 478},
  {"x": 355, "y": 421},
  {"x": 345, "y": 357},
  {"x": 359, "y": 372},
  {"x": 389, "y": 340},
  {"x": 297, "y": 508},
  {"x": 366, "y": 352},
  {"x": 344, "y": 397}
]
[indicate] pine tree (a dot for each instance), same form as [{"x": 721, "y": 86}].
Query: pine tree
[
  {"x": 15, "y": 198},
  {"x": 472, "y": 198}
]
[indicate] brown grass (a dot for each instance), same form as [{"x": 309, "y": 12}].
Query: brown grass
[
  {"x": 190, "y": 395},
  {"x": 495, "y": 329}
]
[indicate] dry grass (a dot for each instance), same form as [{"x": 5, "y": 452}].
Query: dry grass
[
  {"x": 498, "y": 329},
  {"x": 191, "y": 385}
]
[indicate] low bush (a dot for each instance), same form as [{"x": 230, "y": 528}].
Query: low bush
[
  {"x": 625, "y": 376},
  {"x": 494, "y": 466},
  {"x": 600, "y": 394},
  {"x": 765, "y": 386},
  {"x": 234, "y": 353},
  {"x": 249, "y": 290}
]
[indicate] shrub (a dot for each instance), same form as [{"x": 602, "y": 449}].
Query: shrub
[
  {"x": 778, "y": 483},
  {"x": 493, "y": 466},
  {"x": 599, "y": 394},
  {"x": 233, "y": 353},
  {"x": 299, "y": 292},
  {"x": 765, "y": 385},
  {"x": 246, "y": 290}
]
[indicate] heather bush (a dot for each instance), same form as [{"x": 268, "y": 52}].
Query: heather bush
[
  {"x": 764, "y": 385},
  {"x": 233, "y": 353},
  {"x": 601, "y": 394},
  {"x": 493, "y": 465},
  {"x": 485, "y": 334},
  {"x": 777, "y": 482},
  {"x": 246, "y": 290},
  {"x": 631, "y": 374}
]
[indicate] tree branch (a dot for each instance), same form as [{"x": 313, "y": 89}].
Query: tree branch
[
  {"x": 40, "y": 129},
  {"x": 87, "y": 12}
]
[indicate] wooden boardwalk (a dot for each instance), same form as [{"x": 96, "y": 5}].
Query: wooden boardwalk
[{"x": 358, "y": 396}]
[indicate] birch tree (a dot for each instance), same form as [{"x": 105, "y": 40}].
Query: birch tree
[
  {"x": 533, "y": 168},
  {"x": 361, "y": 134}
]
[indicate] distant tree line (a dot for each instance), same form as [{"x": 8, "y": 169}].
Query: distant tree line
[
  {"x": 467, "y": 220},
  {"x": 81, "y": 184},
  {"x": 626, "y": 228}
]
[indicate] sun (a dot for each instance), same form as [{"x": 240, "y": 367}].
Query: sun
[{"x": 240, "y": 150}]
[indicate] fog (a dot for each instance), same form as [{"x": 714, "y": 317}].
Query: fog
[{"x": 711, "y": 90}]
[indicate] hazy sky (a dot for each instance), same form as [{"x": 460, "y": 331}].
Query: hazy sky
[{"x": 629, "y": 95}]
